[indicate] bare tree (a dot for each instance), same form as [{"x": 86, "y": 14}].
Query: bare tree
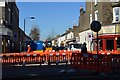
[
  {"x": 35, "y": 34},
  {"x": 49, "y": 37}
]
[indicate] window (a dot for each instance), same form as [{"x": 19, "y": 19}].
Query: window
[
  {"x": 6, "y": 44},
  {"x": 7, "y": 2},
  {"x": 96, "y": 2},
  {"x": 67, "y": 36},
  {"x": 1, "y": 21},
  {"x": 2, "y": 4},
  {"x": 101, "y": 44},
  {"x": 2, "y": 43},
  {"x": 114, "y": 0},
  {"x": 71, "y": 35},
  {"x": 90, "y": 18},
  {"x": 118, "y": 44},
  {"x": 8, "y": 41},
  {"x": 116, "y": 12},
  {"x": 9, "y": 16},
  {"x": 110, "y": 45},
  {"x": 96, "y": 15},
  {"x": 12, "y": 44}
]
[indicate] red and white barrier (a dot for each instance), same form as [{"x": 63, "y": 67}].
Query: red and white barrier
[{"x": 104, "y": 61}]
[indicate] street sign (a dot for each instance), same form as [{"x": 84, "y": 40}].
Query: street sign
[
  {"x": 15, "y": 35},
  {"x": 95, "y": 26},
  {"x": 89, "y": 36}
]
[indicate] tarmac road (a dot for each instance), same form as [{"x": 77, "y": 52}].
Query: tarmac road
[{"x": 59, "y": 72}]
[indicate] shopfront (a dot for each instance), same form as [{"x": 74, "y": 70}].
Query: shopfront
[
  {"x": 108, "y": 42},
  {"x": 109, "y": 38}
]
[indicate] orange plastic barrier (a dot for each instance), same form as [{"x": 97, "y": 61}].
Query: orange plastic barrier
[
  {"x": 105, "y": 52},
  {"x": 32, "y": 58},
  {"x": 62, "y": 56},
  {"x": 36, "y": 57},
  {"x": 104, "y": 62},
  {"x": 101, "y": 63}
]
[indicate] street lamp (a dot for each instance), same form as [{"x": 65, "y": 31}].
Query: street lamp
[
  {"x": 27, "y": 18},
  {"x": 24, "y": 27}
]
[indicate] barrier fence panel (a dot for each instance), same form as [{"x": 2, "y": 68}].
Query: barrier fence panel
[
  {"x": 115, "y": 61},
  {"x": 58, "y": 57},
  {"x": 104, "y": 62},
  {"x": 36, "y": 57},
  {"x": 4, "y": 59},
  {"x": 21, "y": 58},
  {"x": 101, "y": 63},
  {"x": 33, "y": 59}
]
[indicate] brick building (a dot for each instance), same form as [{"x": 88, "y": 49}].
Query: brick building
[
  {"x": 10, "y": 33},
  {"x": 102, "y": 12},
  {"x": 9, "y": 17}
]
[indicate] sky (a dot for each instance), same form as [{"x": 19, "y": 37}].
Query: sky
[{"x": 50, "y": 17}]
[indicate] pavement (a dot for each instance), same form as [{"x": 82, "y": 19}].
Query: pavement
[{"x": 53, "y": 72}]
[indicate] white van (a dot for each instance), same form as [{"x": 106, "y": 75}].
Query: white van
[{"x": 74, "y": 46}]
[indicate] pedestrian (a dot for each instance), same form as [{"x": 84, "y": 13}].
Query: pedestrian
[
  {"x": 84, "y": 48},
  {"x": 29, "y": 48},
  {"x": 57, "y": 48},
  {"x": 72, "y": 48}
]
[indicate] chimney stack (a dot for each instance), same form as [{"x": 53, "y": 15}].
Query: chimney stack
[{"x": 82, "y": 10}]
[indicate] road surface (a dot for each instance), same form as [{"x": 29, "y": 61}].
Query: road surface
[{"x": 59, "y": 72}]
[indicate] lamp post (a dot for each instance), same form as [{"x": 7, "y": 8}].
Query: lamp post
[
  {"x": 27, "y": 18},
  {"x": 24, "y": 27}
]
